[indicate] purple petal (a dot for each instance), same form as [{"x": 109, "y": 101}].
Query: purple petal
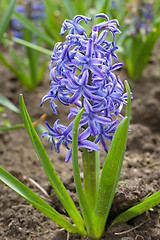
[
  {"x": 87, "y": 94},
  {"x": 85, "y": 134},
  {"x": 102, "y": 15},
  {"x": 103, "y": 120},
  {"x": 84, "y": 79},
  {"x": 75, "y": 97},
  {"x": 96, "y": 61},
  {"x": 101, "y": 37},
  {"x": 103, "y": 144},
  {"x": 96, "y": 70},
  {"x": 89, "y": 48},
  {"x": 87, "y": 105},
  {"x": 116, "y": 66},
  {"x": 69, "y": 155},
  {"x": 93, "y": 130},
  {"x": 90, "y": 145},
  {"x": 71, "y": 78}
]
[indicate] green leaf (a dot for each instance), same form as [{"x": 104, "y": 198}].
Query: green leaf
[
  {"x": 31, "y": 27},
  {"x": 140, "y": 208},
  {"x": 109, "y": 177},
  {"x": 35, "y": 200},
  {"x": 12, "y": 127},
  {"x": 104, "y": 6},
  {"x": 32, "y": 59},
  {"x": 6, "y": 18},
  {"x": 9, "y": 66},
  {"x": 42, "y": 69},
  {"x": 7, "y": 103},
  {"x": 32, "y": 46},
  {"x": 85, "y": 208},
  {"x": 50, "y": 171},
  {"x": 70, "y": 7},
  {"x": 23, "y": 75},
  {"x": 54, "y": 16},
  {"x": 137, "y": 51}
]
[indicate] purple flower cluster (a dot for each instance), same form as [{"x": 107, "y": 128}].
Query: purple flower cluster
[
  {"x": 141, "y": 18},
  {"x": 31, "y": 9},
  {"x": 81, "y": 71}
]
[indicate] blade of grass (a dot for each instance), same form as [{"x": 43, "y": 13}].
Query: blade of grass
[
  {"x": 35, "y": 200},
  {"x": 56, "y": 183},
  {"x": 140, "y": 208},
  {"x": 6, "y": 18}
]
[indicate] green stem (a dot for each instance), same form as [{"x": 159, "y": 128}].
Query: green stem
[{"x": 90, "y": 168}]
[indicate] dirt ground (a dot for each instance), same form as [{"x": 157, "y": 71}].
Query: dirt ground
[{"x": 140, "y": 174}]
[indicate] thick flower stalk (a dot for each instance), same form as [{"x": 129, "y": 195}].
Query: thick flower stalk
[{"x": 82, "y": 73}]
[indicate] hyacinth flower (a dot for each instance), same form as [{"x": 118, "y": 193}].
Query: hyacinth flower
[
  {"x": 33, "y": 10},
  {"x": 142, "y": 21},
  {"x": 85, "y": 79},
  {"x": 141, "y": 31},
  {"x": 25, "y": 33},
  {"x": 82, "y": 74}
]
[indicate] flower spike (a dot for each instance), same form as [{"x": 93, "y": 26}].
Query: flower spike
[{"x": 82, "y": 73}]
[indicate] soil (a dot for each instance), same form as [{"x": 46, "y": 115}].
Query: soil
[{"x": 140, "y": 174}]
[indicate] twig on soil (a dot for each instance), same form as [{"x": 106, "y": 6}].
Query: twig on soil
[
  {"x": 21, "y": 205},
  {"x": 153, "y": 164},
  {"x": 68, "y": 235},
  {"x": 41, "y": 119},
  {"x": 146, "y": 196},
  {"x": 47, "y": 198},
  {"x": 137, "y": 235},
  {"x": 39, "y": 187},
  {"x": 127, "y": 231}
]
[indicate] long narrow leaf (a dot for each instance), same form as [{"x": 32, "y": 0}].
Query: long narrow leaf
[
  {"x": 35, "y": 200},
  {"x": 23, "y": 77},
  {"x": 50, "y": 171},
  {"x": 28, "y": 24},
  {"x": 32, "y": 46},
  {"x": 140, "y": 208},
  {"x": 11, "y": 127},
  {"x": 85, "y": 208},
  {"x": 32, "y": 59},
  {"x": 109, "y": 177},
  {"x": 6, "y": 18},
  {"x": 9, "y": 66},
  {"x": 7, "y": 103},
  {"x": 70, "y": 7}
]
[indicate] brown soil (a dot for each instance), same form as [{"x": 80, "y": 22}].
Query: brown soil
[{"x": 140, "y": 174}]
